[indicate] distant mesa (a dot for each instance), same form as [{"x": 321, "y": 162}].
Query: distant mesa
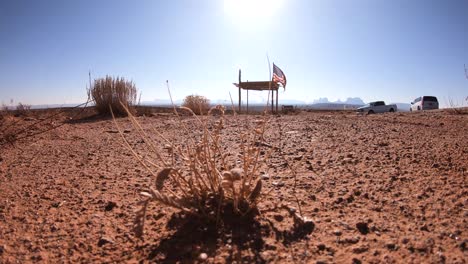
[
  {"x": 349, "y": 101},
  {"x": 324, "y": 103},
  {"x": 354, "y": 101},
  {"x": 323, "y": 100}
]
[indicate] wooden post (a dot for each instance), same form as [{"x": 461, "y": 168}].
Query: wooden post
[
  {"x": 272, "y": 94},
  {"x": 247, "y": 101},
  {"x": 239, "y": 110},
  {"x": 277, "y": 100}
]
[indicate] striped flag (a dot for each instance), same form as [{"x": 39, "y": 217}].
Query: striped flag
[{"x": 278, "y": 76}]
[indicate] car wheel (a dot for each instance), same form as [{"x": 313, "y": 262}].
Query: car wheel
[
  {"x": 391, "y": 110},
  {"x": 370, "y": 112},
  {"x": 419, "y": 108}
]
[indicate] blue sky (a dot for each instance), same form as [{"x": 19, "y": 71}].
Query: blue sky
[{"x": 374, "y": 49}]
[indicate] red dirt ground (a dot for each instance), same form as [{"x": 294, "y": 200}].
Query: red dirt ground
[{"x": 388, "y": 188}]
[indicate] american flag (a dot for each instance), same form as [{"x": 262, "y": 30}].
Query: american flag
[{"x": 278, "y": 76}]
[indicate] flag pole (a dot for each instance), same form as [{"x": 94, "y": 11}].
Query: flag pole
[
  {"x": 269, "y": 85},
  {"x": 239, "y": 110}
]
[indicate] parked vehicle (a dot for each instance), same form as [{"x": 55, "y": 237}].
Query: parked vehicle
[
  {"x": 377, "y": 107},
  {"x": 424, "y": 103}
]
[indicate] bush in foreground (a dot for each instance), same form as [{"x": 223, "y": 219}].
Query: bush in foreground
[
  {"x": 116, "y": 93},
  {"x": 200, "y": 178}
]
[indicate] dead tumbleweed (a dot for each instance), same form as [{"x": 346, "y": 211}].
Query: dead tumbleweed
[{"x": 199, "y": 176}]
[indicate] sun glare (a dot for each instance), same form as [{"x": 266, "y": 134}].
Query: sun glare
[{"x": 249, "y": 13}]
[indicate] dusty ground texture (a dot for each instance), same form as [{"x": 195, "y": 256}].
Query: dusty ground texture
[{"x": 388, "y": 188}]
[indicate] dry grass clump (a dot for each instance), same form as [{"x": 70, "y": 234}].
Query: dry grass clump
[
  {"x": 22, "y": 109},
  {"x": 4, "y": 108},
  {"x": 197, "y": 103},
  {"x": 4, "y": 111},
  {"x": 199, "y": 176},
  {"x": 113, "y": 92},
  {"x": 458, "y": 108},
  {"x": 7, "y": 121}
]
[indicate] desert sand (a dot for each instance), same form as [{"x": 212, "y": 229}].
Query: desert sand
[{"x": 389, "y": 188}]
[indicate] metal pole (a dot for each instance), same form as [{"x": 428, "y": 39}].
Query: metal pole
[{"x": 239, "y": 110}]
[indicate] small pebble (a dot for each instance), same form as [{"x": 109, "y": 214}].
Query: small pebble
[
  {"x": 203, "y": 256},
  {"x": 278, "y": 184},
  {"x": 337, "y": 232},
  {"x": 104, "y": 240},
  {"x": 363, "y": 228},
  {"x": 321, "y": 246},
  {"x": 462, "y": 245},
  {"x": 110, "y": 206}
]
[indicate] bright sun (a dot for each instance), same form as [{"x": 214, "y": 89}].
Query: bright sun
[{"x": 249, "y": 13}]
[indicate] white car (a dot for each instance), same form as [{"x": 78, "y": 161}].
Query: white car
[
  {"x": 377, "y": 107},
  {"x": 424, "y": 103}
]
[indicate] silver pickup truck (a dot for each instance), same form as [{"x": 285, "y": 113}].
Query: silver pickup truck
[{"x": 377, "y": 107}]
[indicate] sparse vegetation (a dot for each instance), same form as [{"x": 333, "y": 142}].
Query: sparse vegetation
[
  {"x": 197, "y": 103},
  {"x": 116, "y": 93},
  {"x": 4, "y": 108},
  {"x": 459, "y": 108},
  {"x": 4, "y": 111},
  {"x": 9, "y": 119},
  {"x": 208, "y": 182},
  {"x": 22, "y": 109}
]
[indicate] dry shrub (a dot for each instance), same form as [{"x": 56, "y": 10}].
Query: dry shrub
[
  {"x": 198, "y": 176},
  {"x": 4, "y": 111},
  {"x": 22, "y": 109},
  {"x": 113, "y": 92},
  {"x": 197, "y": 103},
  {"x": 7, "y": 121},
  {"x": 4, "y": 108},
  {"x": 458, "y": 108}
]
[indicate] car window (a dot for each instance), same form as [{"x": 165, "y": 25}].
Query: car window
[
  {"x": 417, "y": 99},
  {"x": 430, "y": 99},
  {"x": 379, "y": 103}
]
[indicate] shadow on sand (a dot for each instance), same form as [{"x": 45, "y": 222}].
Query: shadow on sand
[{"x": 237, "y": 239}]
